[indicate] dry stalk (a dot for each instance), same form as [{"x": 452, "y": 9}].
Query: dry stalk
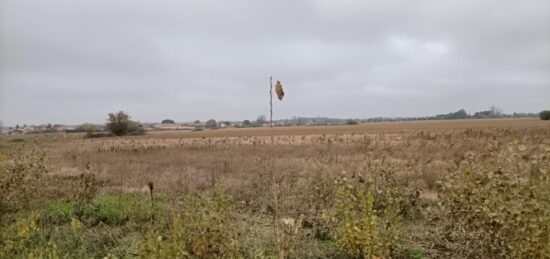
[
  {"x": 151, "y": 188},
  {"x": 276, "y": 227}
]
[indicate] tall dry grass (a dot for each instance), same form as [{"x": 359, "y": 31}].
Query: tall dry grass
[{"x": 301, "y": 171}]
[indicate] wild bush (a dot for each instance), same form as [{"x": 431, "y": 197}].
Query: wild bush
[
  {"x": 204, "y": 228},
  {"x": 487, "y": 214},
  {"x": 25, "y": 240},
  {"x": 111, "y": 227},
  {"x": 120, "y": 124},
  {"x": 362, "y": 230},
  {"x": 19, "y": 179},
  {"x": 32, "y": 237}
]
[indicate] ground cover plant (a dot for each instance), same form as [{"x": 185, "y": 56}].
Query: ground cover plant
[{"x": 460, "y": 189}]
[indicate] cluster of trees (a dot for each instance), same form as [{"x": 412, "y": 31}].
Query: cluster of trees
[
  {"x": 492, "y": 113},
  {"x": 120, "y": 124},
  {"x": 211, "y": 124},
  {"x": 460, "y": 114}
]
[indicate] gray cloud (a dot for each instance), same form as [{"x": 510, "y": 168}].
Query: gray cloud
[{"x": 74, "y": 61}]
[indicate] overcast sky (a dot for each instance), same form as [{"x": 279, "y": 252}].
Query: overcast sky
[{"x": 75, "y": 61}]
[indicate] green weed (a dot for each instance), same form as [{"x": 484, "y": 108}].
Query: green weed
[{"x": 361, "y": 230}]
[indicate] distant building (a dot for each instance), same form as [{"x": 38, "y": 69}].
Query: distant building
[
  {"x": 170, "y": 126},
  {"x": 19, "y": 131}
]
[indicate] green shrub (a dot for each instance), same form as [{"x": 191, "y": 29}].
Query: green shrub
[
  {"x": 31, "y": 237},
  {"x": 204, "y": 229},
  {"x": 119, "y": 124},
  {"x": 363, "y": 231},
  {"x": 544, "y": 115},
  {"x": 23, "y": 239},
  {"x": 171, "y": 245}
]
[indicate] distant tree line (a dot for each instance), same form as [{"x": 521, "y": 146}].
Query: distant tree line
[
  {"x": 492, "y": 113},
  {"x": 120, "y": 123}
]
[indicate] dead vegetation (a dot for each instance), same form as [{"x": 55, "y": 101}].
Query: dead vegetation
[{"x": 437, "y": 190}]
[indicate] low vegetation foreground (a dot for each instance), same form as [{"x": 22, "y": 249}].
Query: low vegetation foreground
[{"x": 440, "y": 189}]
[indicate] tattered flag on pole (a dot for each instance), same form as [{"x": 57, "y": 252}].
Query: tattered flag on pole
[{"x": 279, "y": 90}]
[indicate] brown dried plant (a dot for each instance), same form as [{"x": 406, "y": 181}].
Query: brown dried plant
[
  {"x": 19, "y": 180},
  {"x": 279, "y": 90}
]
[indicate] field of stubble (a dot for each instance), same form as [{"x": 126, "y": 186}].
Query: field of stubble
[{"x": 433, "y": 189}]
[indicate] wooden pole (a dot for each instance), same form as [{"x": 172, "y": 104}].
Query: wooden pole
[
  {"x": 271, "y": 108},
  {"x": 274, "y": 184}
]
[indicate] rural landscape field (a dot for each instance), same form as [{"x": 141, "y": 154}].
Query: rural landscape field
[
  {"x": 314, "y": 129},
  {"x": 431, "y": 189}
]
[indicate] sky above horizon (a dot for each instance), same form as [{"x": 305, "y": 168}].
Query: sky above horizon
[{"x": 74, "y": 61}]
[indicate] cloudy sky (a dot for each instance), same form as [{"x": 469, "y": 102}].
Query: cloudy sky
[{"x": 74, "y": 61}]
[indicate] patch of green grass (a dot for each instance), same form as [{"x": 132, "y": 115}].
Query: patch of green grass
[
  {"x": 331, "y": 241},
  {"x": 416, "y": 254},
  {"x": 60, "y": 209},
  {"x": 107, "y": 209},
  {"x": 117, "y": 209},
  {"x": 110, "y": 208}
]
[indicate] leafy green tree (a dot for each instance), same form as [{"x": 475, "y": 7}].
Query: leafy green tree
[
  {"x": 544, "y": 115},
  {"x": 211, "y": 124},
  {"x": 168, "y": 121},
  {"x": 118, "y": 123},
  {"x": 461, "y": 114}
]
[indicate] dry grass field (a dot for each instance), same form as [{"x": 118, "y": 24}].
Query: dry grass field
[
  {"x": 368, "y": 128},
  {"x": 429, "y": 189}
]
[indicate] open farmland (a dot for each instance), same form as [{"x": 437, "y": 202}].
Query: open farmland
[
  {"x": 368, "y": 128},
  {"x": 441, "y": 189}
]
